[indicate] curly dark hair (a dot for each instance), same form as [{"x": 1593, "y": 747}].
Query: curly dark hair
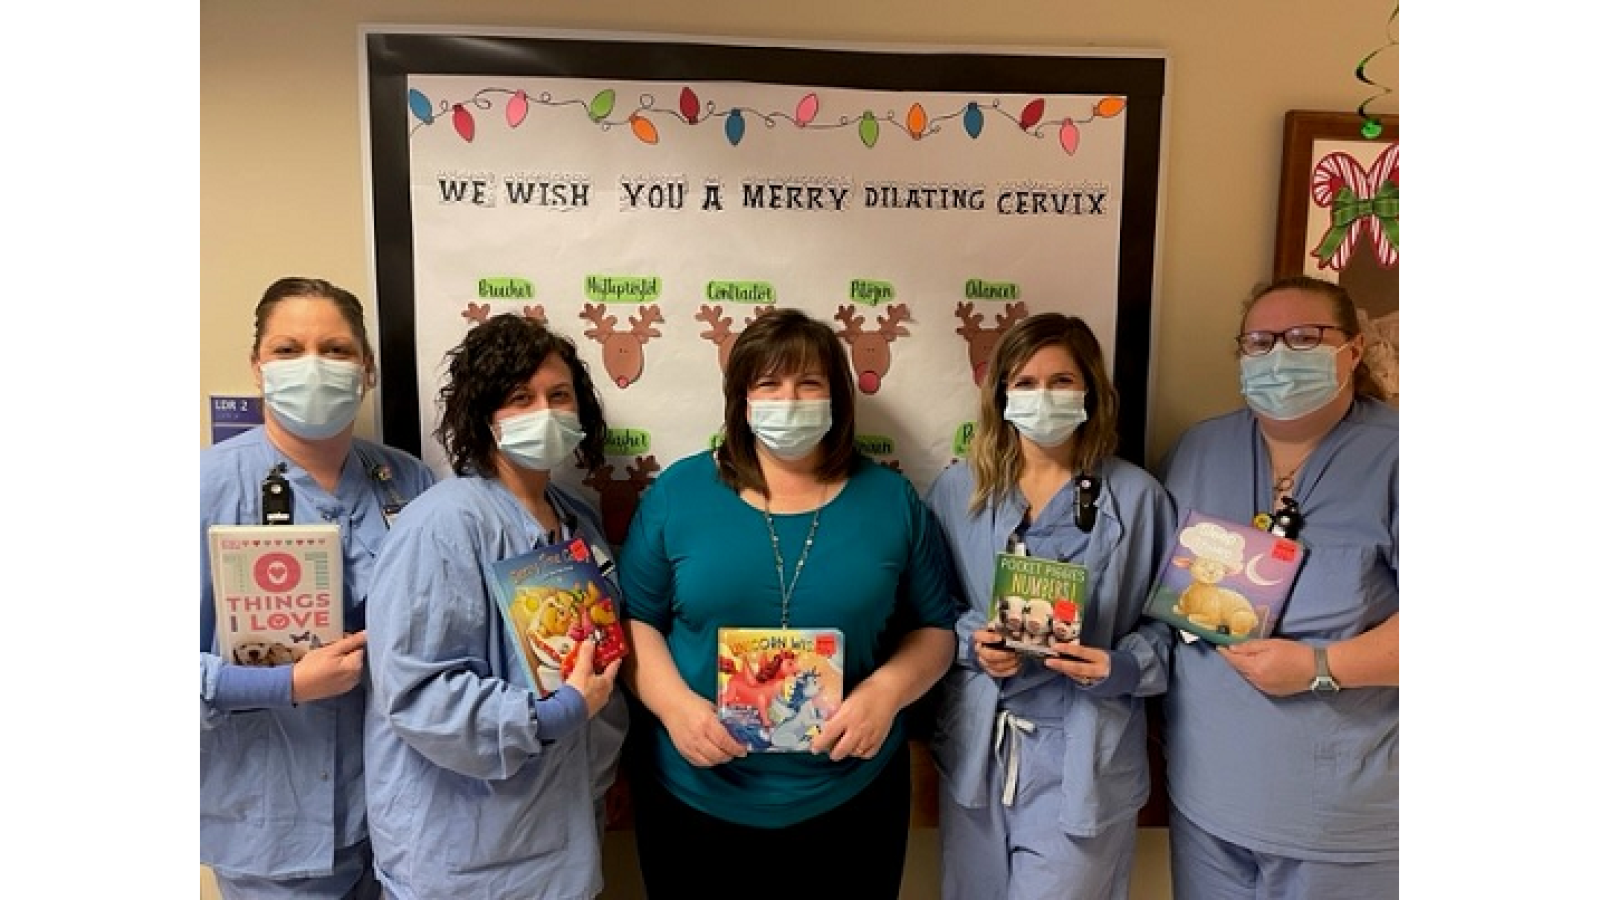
[
  {"x": 493, "y": 360},
  {"x": 784, "y": 342}
]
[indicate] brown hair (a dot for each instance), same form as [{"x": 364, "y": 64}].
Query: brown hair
[
  {"x": 995, "y": 453},
  {"x": 784, "y": 342},
  {"x": 294, "y": 286}
]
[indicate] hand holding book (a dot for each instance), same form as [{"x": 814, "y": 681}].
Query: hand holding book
[
  {"x": 593, "y": 680},
  {"x": 1085, "y": 665},
  {"x": 329, "y": 670},
  {"x": 993, "y": 655}
]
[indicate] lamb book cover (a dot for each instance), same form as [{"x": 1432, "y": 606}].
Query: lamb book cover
[{"x": 1224, "y": 582}]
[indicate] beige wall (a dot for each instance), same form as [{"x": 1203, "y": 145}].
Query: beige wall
[
  {"x": 282, "y": 189},
  {"x": 281, "y": 173}
]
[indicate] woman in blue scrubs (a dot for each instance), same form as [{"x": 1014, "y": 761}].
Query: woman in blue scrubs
[
  {"x": 1044, "y": 763},
  {"x": 478, "y": 785},
  {"x": 1283, "y": 754},
  {"x": 282, "y": 804}
]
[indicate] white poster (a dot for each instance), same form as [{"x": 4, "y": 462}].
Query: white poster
[{"x": 650, "y": 220}]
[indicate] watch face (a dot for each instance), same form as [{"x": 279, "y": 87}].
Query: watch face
[{"x": 1323, "y": 684}]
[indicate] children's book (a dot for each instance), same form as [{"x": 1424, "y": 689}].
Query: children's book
[
  {"x": 1036, "y": 600},
  {"x": 1223, "y": 581},
  {"x": 552, "y": 597},
  {"x": 279, "y": 590},
  {"x": 777, "y": 686}
]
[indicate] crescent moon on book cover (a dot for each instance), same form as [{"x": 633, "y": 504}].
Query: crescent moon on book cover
[{"x": 1254, "y": 575}]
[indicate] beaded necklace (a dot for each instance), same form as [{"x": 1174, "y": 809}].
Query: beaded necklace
[{"x": 787, "y": 590}]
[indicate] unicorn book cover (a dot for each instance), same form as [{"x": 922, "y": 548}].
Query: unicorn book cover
[
  {"x": 1224, "y": 582},
  {"x": 552, "y": 597},
  {"x": 777, "y": 686}
]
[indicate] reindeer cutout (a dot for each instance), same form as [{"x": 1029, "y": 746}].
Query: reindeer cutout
[
  {"x": 478, "y": 313},
  {"x": 722, "y": 333},
  {"x": 620, "y": 497},
  {"x": 622, "y": 352},
  {"x": 869, "y": 351},
  {"x": 980, "y": 340}
]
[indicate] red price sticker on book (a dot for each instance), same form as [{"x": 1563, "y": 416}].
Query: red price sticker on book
[
  {"x": 825, "y": 645},
  {"x": 1284, "y": 551}
]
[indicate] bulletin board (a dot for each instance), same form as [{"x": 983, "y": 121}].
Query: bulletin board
[{"x": 650, "y": 196}]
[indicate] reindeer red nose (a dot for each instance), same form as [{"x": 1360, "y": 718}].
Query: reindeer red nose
[
  {"x": 622, "y": 381},
  {"x": 869, "y": 382},
  {"x": 977, "y": 372}
]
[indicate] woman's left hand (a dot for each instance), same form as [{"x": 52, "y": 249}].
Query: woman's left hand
[
  {"x": 1085, "y": 665},
  {"x": 1275, "y": 666},
  {"x": 859, "y": 726}
]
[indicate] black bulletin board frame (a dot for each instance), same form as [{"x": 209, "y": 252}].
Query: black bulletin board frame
[{"x": 393, "y": 56}]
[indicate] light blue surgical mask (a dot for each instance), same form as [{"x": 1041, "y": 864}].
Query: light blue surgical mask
[
  {"x": 313, "y": 398},
  {"x": 1048, "y": 418},
  {"x": 542, "y": 439},
  {"x": 791, "y": 428},
  {"x": 1288, "y": 384}
]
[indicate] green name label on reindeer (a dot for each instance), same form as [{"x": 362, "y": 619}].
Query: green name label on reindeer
[
  {"x": 622, "y": 288},
  {"x": 869, "y": 292},
  {"x": 963, "y": 439},
  {"x": 741, "y": 291},
  {"x": 875, "y": 444},
  {"x": 627, "y": 441},
  {"x": 505, "y": 288},
  {"x": 979, "y": 289}
]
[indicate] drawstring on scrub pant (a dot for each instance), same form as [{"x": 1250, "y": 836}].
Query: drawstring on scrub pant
[{"x": 1009, "y": 724}]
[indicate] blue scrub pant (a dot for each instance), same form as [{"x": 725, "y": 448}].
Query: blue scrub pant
[
  {"x": 1205, "y": 867},
  {"x": 1020, "y": 852}
]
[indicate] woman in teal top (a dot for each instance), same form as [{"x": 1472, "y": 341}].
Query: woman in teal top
[{"x": 783, "y": 525}]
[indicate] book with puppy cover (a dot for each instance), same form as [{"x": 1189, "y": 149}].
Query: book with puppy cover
[
  {"x": 552, "y": 597},
  {"x": 1036, "y": 600},
  {"x": 1224, "y": 582},
  {"x": 777, "y": 686},
  {"x": 278, "y": 589}
]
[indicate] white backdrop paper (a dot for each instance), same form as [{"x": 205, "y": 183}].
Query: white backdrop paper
[{"x": 927, "y": 216}]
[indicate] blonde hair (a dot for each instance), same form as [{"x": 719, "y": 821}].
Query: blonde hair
[{"x": 995, "y": 453}]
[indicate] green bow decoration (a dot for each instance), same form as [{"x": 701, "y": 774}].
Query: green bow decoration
[{"x": 1347, "y": 209}]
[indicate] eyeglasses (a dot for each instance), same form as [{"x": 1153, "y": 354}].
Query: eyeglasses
[{"x": 1298, "y": 337}]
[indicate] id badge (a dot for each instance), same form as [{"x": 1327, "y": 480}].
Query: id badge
[{"x": 390, "y": 510}]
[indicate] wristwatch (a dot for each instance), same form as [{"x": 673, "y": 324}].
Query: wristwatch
[{"x": 1323, "y": 685}]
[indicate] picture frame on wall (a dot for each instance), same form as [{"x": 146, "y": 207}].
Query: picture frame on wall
[{"x": 1339, "y": 220}]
